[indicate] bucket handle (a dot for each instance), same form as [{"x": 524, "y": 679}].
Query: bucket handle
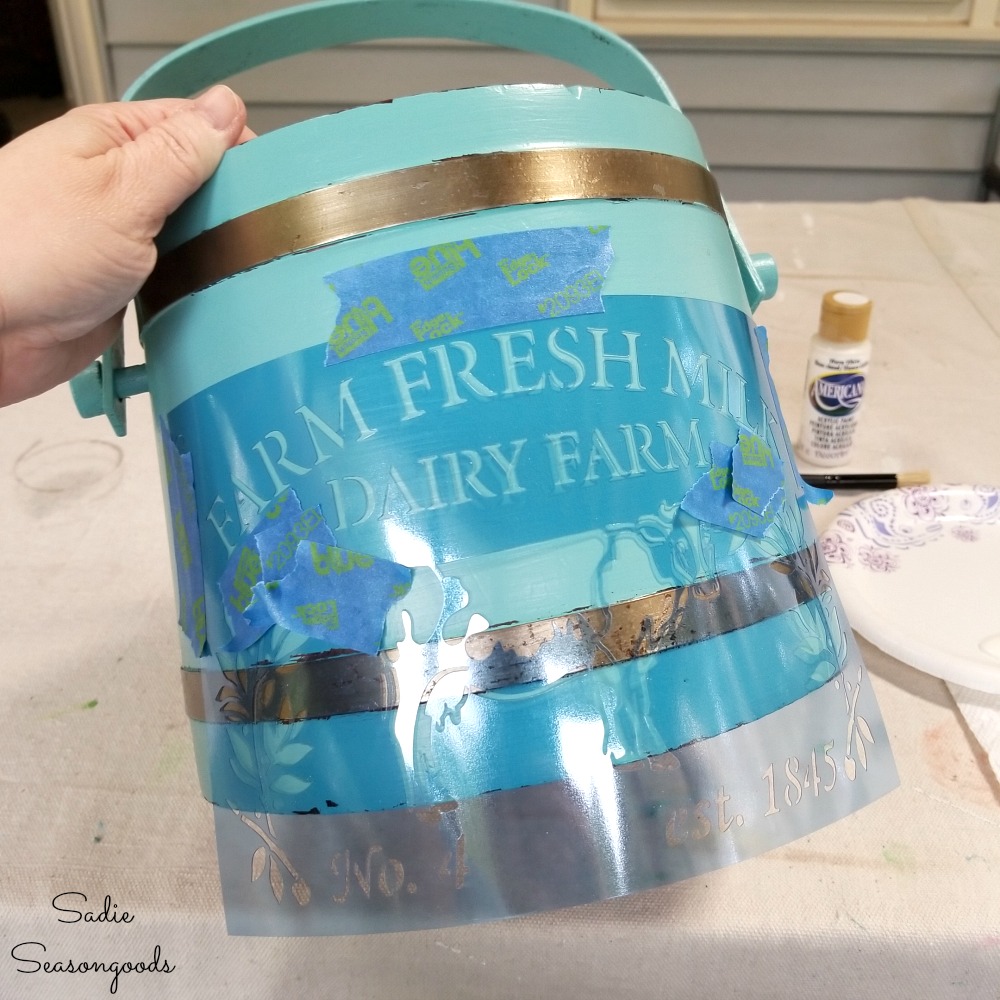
[
  {"x": 103, "y": 386},
  {"x": 329, "y": 23}
]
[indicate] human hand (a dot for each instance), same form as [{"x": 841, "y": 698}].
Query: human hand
[{"x": 81, "y": 199}]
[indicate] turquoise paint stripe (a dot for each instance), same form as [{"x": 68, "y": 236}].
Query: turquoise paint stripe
[
  {"x": 462, "y": 747},
  {"x": 356, "y": 143},
  {"x": 614, "y": 830},
  {"x": 285, "y": 306}
]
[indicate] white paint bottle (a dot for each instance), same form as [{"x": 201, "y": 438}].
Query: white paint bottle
[{"x": 836, "y": 377}]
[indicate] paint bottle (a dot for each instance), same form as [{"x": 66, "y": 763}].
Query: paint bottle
[{"x": 836, "y": 376}]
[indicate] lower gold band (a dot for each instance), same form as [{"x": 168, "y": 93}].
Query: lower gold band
[
  {"x": 341, "y": 682},
  {"x": 415, "y": 194}
]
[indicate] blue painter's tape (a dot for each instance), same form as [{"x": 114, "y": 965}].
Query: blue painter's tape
[
  {"x": 758, "y": 475},
  {"x": 278, "y": 542},
  {"x": 470, "y": 285},
  {"x": 244, "y": 570},
  {"x": 265, "y": 553},
  {"x": 187, "y": 546},
  {"x": 336, "y": 595},
  {"x": 287, "y": 571},
  {"x": 711, "y": 498}
]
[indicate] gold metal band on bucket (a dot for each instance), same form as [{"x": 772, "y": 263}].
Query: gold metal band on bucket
[
  {"x": 341, "y": 682},
  {"x": 434, "y": 190}
]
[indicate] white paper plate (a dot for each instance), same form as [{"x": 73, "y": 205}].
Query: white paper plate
[{"x": 918, "y": 572}]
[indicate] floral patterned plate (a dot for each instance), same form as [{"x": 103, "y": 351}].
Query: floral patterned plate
[{"x": 918, "y": 572}]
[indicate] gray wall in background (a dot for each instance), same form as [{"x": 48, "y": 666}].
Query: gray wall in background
[
  {"x": 779, "y": 120},
  {"x": 847, "y": 121}
]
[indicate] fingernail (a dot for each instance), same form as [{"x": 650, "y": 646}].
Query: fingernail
[{"x": 218, "y": 105}]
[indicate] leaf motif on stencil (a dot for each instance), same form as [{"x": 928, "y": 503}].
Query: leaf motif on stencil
[
  {"x": 292, "y": 753},
  {"x": 288, "y": 784},
  {"x": 257, "y": 863},
  {"x": 271, "y": 856},
  {"x": 859, "y": 744},
  {"x": 858, "y": 730},
  {"x": 266, "y": 692},
  {"x": 865, "y": 729},
  {"x": 277, "y": 881},
  {"x": 233, "y": 698},
  {"x": 243, "y": 762}
]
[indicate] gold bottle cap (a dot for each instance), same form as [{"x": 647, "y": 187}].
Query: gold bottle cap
[{"x": 844, "y": 316}]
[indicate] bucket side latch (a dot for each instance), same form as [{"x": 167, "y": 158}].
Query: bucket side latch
[
  {"x": 105, "y": 384},
  {"x": 759, "y": 271}
]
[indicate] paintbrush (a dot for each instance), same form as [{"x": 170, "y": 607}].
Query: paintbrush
[{"x": 867, "y": 480}]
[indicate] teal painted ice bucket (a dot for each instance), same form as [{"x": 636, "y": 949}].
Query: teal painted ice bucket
[{"x": 497, "y": 591}]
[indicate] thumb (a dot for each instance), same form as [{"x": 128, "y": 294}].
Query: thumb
[{"x": 169, "y": 161}]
